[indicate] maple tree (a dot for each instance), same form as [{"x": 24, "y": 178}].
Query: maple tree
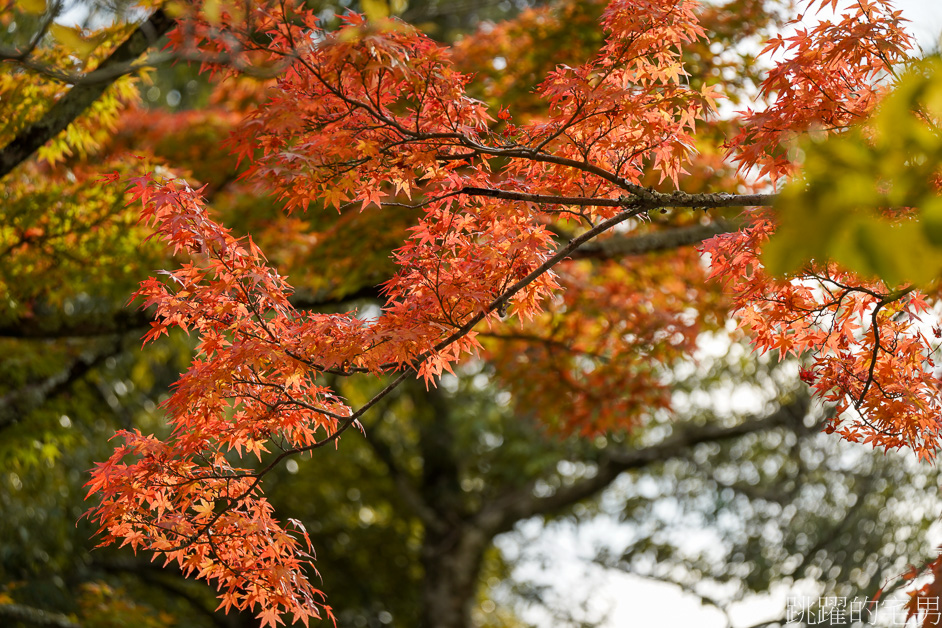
[{"x": 503, "y": 209}]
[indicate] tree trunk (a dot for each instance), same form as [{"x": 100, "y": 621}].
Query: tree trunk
[
  {"x": 452, "y": 564},
  {"x": 453, "y": 551}
]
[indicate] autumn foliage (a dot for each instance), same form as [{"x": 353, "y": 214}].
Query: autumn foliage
[{"x": 505, "y": 201}]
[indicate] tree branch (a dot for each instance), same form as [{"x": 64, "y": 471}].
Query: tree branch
[
  {"x": 14, "y": 405},
  {"x": 500, "y": 514},
  {"x": 95, "y": 325},
  {"x": 646, "y": 200},
  {"x": 35, "y": 616},
  {"x": 80, "y": 97},
  {"x": 124, "y": 320},
  {"x": 619, "y": 245}
]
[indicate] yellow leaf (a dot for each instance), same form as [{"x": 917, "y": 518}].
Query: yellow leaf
[
  {"x": 36, "y": 7},
  {"x": 212, "y": 10},
  {"x": 71, "y": 38},
  {"x": 375, "y": 10},
  {"x": 176, "y": 9}
]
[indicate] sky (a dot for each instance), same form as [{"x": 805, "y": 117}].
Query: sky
[
  {"x": 925, "y": 19},
  {"x": 633, "y": 602}
]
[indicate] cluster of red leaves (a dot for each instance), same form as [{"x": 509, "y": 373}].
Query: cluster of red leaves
[
  {"x": 253, "y": 386},
  {"x": 365, "y": 115},
  {"x": 868, "y": 351},
  {"x": 829, "y": 80},
  {"x": 626, "y": 110},
  {"x": 181, "y": 496},
  {"x": 359, "y": 116}
]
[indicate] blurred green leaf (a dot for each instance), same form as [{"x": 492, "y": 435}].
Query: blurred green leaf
[{"x": 851, "y": 206}]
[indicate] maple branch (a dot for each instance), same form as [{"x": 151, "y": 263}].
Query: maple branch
[
  {"x": 649, "y": 199},
  {"x": 585, "y": 166},
  {"x": 543, "y": 198},
  {"x": 875, "y": 326},
  {"x": 882, "y": 300},
  {"x": 634, "y": 207},
  {"x": 511, "y": 151},
  {"x": 80, "y": 97},
  {"x": 500, "y": 303},
  {"x": 35, "y": 616}
]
